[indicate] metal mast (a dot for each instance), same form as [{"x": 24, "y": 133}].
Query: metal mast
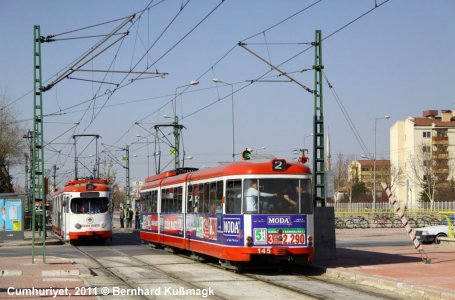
[
  {"x": 318, "y": 127},
  {"x": 127, "y": 167},
  {"x": 38, "y": 181}
]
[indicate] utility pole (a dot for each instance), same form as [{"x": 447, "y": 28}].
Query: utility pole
[
  {"x": 318, "y": 127},
  {"x": 126, "y": 158},
  {"x": 38, "y": 181},
  {"x": 54, "y": 175}
]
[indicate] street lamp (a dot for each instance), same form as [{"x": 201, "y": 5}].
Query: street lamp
[
  {"x": 217, "y": 80},
  {"x": 374, "y": 159},
  {"x": 177, "y": 127}
]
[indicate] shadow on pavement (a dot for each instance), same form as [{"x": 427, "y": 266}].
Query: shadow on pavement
[{"x": 356, "y": 258}]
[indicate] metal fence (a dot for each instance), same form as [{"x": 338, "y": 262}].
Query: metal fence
[
  {"x": 442, "y": 207},
  {"x": 362, "y": 215}
]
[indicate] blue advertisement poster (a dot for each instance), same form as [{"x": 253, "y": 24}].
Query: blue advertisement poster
[{"x": 11, "y": 218}]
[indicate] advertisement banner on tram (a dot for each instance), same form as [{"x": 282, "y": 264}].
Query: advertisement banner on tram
[{"x": 277, "y": 230}]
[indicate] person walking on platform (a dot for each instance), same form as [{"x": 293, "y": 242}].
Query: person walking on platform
[
  {"x": 129, "y": 218},
  {"x": 137, "y": 220},
  {"x": 122, "y": 217}
]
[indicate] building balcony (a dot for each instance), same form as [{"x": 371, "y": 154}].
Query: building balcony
[
  {"x": 440, "y": 140},
  {"x": 440, "y": 169}
]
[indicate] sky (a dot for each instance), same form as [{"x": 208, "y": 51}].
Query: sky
[{"x": 392, "y": 59}]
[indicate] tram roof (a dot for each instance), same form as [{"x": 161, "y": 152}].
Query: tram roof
[
  {"x": 80, "y": 185},
  {"x": 245, "y": 167}
]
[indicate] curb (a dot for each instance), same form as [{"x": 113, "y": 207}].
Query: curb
[
  {"x": 399, "y": 287},
  {"x": 29, "y": 243}
]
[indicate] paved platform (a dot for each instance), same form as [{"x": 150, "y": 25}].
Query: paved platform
[
  {"x": 56, "y": 279},
  {"x": 401, "y": 269},
  {"x": 397, "y": 268}
]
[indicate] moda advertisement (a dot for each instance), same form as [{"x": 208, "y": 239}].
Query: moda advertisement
[{"x": 278, "y": 230}]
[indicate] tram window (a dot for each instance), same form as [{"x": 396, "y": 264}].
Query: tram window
[
  {"x": 205, "y": 199},
  {"x": 197, "y": 198},
  {"x": 171, "y": 200},
  {"x": 166, "y": 200},
  {"x": 281, "y": 196},
  {"x": 233, "y": 196},
  {"x": 189, "y": 199},
  {"x": 177, "y": 200},
  {"x": 65, "y": 203},
  {"x": 154, "y": 201},
  {"x": 219, "y": 197},
  {"x": 146, "y": 202},
  {"x": 212, "y": 198},
  {"x": 89, "y": 205}
]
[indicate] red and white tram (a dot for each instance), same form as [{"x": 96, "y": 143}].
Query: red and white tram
[
  {"x": 240, "y": 212},
  {"x": 83, "y": 210}
]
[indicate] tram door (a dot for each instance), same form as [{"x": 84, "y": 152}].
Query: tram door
[{"x": 65, "y": 216}]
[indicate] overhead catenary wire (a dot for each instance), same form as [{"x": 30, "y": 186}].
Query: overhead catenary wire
[
  {"x": 294, "y": 56},
  {"x": 102, "y": 106},
  {"x": 346, "y": 115}
]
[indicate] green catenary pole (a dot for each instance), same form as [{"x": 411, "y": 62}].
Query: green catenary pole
[
  {"x": 318, "y": 127},
  {"x": 127, "y": 158},
  {"x": 38, "y": 181}
]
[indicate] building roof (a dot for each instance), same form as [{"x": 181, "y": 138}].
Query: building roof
[{"x": 421, "y": 121}]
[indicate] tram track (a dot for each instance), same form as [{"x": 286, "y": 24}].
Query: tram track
[
  {"x": 132, "y": 284},
  {"x": 308, "y": 281},
  {"x": 178, "y": 270}
]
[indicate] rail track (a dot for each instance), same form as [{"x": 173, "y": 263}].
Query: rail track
[{"x": 120, "y": 270}]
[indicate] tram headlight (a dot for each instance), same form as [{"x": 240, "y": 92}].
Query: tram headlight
[
  {"x": 310, "y": 240},
  {"x": 249, "y": 241},
  {"x": 78, "y": 226},
  {"x": 103, "y": 225}
]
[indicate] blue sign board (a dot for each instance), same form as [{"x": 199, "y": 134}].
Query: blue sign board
[{"x": 11, "y": 217}]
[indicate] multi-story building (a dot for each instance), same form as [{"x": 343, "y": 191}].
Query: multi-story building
[
  {"x": 420, "y": 152},
  {"x": 364, "y": 170}
]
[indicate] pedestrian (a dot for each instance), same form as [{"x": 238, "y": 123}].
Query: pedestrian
[
  {"x": 122, "y": 217},
  {"x": 129, "y": 217},
  {"x": 251, "y": 196},
  {"x": 137, "y": 222}
]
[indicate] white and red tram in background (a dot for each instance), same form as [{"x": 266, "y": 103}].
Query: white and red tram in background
[
  {"x": 83, "y": 210},
  {"x": 205, "y": 212}
]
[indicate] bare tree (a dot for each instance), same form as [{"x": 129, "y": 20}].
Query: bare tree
[
  {"x": 422, "y": 173},
  {"x": 341, "y": 176},
  {"x": 108, "y": 173},
  {"x": 11, "y": 145}
]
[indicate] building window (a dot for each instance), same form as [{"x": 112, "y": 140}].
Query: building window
[
  {"x": 426, "y": 134},
  {"x": 426, "y": 149}
]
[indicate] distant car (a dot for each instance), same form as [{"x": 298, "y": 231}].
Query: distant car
[{"x": 431, "y": 234}]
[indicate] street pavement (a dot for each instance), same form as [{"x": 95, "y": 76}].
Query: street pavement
[{"x": 401, "y": 269}]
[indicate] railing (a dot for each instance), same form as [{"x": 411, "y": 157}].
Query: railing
[{"x": 385, "y": 206}]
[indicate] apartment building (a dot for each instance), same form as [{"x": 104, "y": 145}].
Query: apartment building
[
  {"x": 364, "y": 171},
  {"x": 420, "y": 150}
]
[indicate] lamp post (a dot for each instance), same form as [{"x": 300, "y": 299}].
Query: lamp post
[
  {"x": 217, "y": 80},
  {"x": 374, "y": 159},
  {"x": 177, "y": 126}
]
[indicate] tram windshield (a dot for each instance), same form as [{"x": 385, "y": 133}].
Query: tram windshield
[
  {"x": 89, "y": 205},
  {"x": 277, "y": 196}
]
